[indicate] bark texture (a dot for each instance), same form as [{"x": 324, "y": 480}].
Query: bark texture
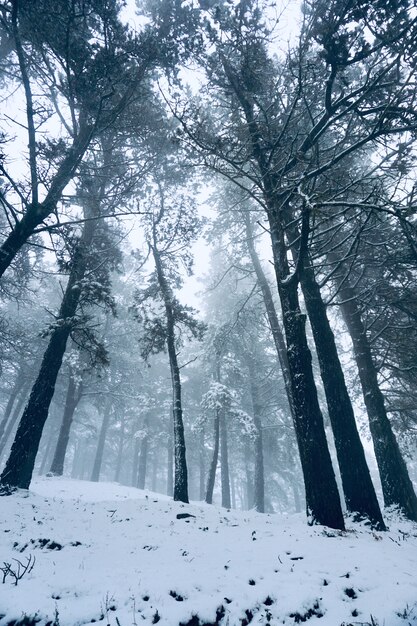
[
  {"x": 259, "y": 474},
  {"x": 72, "y": 399},
  {"x": 180, "y": 462},
  {"x": 214, "y": 459},
  {"x": 357, "y": 484},
  {"x": 98, "y": 459},
  {"x": 14, "y": 417},
  {"x": 397, "y": 487},
  {"x": 19, "y": 467},
  {"x": 143, "y": 455},
  {"x": 224, "y": 461}
]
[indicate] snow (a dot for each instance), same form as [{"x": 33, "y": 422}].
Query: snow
[{"x": 137, "y": 562}]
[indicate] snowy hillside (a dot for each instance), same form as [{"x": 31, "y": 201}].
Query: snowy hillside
[{"x": 122, "y": 556}]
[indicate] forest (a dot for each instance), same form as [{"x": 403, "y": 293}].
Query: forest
[{"x": 208, "y": 296}]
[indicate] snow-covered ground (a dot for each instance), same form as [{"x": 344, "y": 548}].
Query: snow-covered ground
[{"x": 120, "y": 555}]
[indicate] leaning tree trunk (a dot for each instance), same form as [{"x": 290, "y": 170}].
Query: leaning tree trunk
[
  {"x": 37, "y": 212},
  {"x": 19, "y": 467},
  {"x": 224, "y": 461},
  {"x": 14, "y": 417},
  {"x": 397, "y": 487},
  {"x": 98, "y": 459},
  {"x": 357, "y": 484},
  {"x": 322, "y": 496},
  {"x": 18, "y": 385},
  {"x": 214, "y": 459},
  {"x": 73, "y": 397},
  {"x": 180, "y": 462},
  {"x": 271, "y": 312}
]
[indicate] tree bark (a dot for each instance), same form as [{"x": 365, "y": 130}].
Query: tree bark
[
  {"x": 296, "y": 495},
  {"x": 259, "y": 477},
  {"x": 143, "y": 456},
  {"x": 301, "y": 364},
  {"x": 135, "y": 463},
  {"x": 78, "y": 464},
  {"x": 98, "y": 459},
  {"x": 19, "y": 467},
  {"x": 14, "y": 417},
  {"x": 73, "y": 397},
  {"x": 121, "y": 446},
  {"x": 358, "y": 489},
  {"x": 16, "y": 389},
  {"x": 180, "y": 462},
  {"x": 214, "y": 460},
  {"x": 397, "y": 487},
  {"x": 154, "y": 483},
  {"x": 249, "y": 486},
  {"x": 46, "y": 454},
  {"x": 233, "y": 491},
  {"x": 274, "y": 324},
  {"x": 37, "y": 212},
  {"x": 224, "y": 461},
  {"x": 202, "y": 465},
  {"x": 170, "y": 463},
  {"x": 83, "y": 470},
  {"x": 322, "y": 496}
]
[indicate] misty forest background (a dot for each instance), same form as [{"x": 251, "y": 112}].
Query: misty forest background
[{"x": 279, "y": 147}]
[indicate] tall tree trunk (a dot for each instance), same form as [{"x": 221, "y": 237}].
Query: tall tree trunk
[
  {"x": 154, "y": 483},
  {"x": 75, "y": 458},
  {"x": 47, "y": 452},
  {"x": 135, "y": 462},
  {"x": 143, "y": 456},
  {"x": 16, "y": 389},
  {"x": 180, "y": 462},
  {"x": 214, "y": 460},
  {"x": 170, "y": 464},
  {"x": 224, "y": 461},
  {"x": 73, "y": 397},
  {"x": 357, "y": 484},
  {"x": 14, "y": 417},
  {"x": 82, "y": 458},
  {"x": 202, "y": 465},
  {"x": 249, "y": 486},
  {"x": 271, "y": 312},
  {"x": 322, "y": 496},
  {"x": 233, "y": 490},
  {"x": 98, "y": 459},
  {"x": 259, "y": 478},
  {"x": 296, "y": 495},
  {"x": 397, "y": 487},
  {"x": 120, "y": 448},
  {"x": 37, "y": 212},
  {"x": 19, "y": 467}
]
